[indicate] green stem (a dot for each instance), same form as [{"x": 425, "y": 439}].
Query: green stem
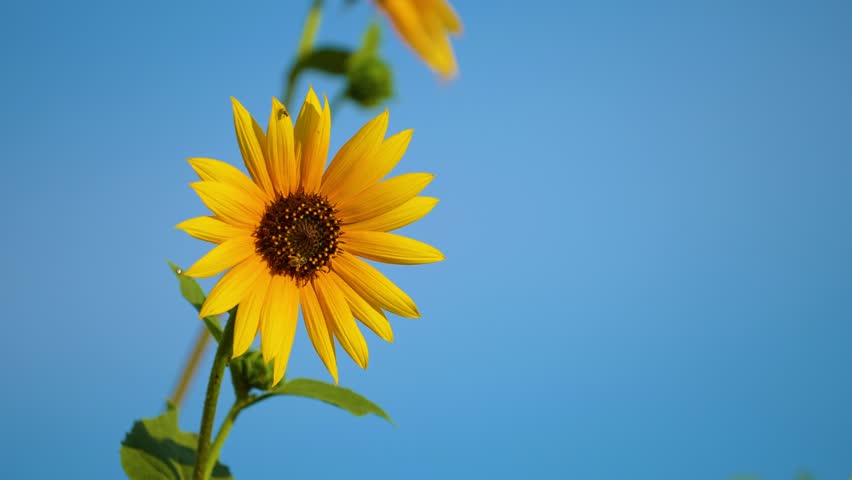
[
  {"x": 224, "y": 430},
  {"x": 306, "y": 44},
  {"x": 252, "y": 399},
  {"x": 309, "y": 32},
  {"x": 217, "y": 371}
]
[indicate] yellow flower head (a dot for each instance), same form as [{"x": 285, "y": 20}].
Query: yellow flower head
[
  {"x": 292, "y": 233},
  {"x": 425, "y": 25}
]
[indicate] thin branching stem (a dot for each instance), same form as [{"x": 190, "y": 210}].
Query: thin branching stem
[{"x": 306, "y": 45}]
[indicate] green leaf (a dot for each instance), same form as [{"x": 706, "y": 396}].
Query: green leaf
[
  {"x": 327, "y": 59},
  {"x": 332, "y": 394},
  {"x": 156, "y": 449},
  {"x": 192, "y": 292}
]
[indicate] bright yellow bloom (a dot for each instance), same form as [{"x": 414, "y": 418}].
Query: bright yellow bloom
[
  {"x": 292, "y": 233},
  {"x": 425, "y": 25}
]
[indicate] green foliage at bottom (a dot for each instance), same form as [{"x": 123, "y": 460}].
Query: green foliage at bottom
[{"x": 156, "y": 449}]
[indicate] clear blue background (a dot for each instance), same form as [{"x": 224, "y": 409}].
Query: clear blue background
[{"x": 646, "y": 212}]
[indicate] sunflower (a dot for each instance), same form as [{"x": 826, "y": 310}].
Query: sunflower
[
  {"x": 425, "y": 25},
  {"x": 292, "y": 234}
]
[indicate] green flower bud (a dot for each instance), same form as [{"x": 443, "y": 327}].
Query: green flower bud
[
  {"x": 370, "y": 81},
  {"x": 250, "y": 371}
]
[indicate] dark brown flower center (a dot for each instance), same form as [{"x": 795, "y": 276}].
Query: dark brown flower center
[{"x": 298, "y": 235}]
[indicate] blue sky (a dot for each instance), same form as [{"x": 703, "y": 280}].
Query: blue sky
[{"x": 645, "y": 211}]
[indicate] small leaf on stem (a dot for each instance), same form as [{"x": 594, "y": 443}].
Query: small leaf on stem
[{"x": 192, "y": 292}]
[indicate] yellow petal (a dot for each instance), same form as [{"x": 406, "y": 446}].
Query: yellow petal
[
  {"x": 422, "y": 30},
  {"x": 279, "y": 316},
  {"x": 448, "y": 16},
  {"x": 285, "y": 310},
  {"x": 248, "y": 315},
  {"x": 222, "y": 257},
  {"x": 376, "y": 166},
  {"x": 283, "y": 169},
  {"x": 212, "y": 229},
  {"x": 408, "y": 212},
  {"x": 441, "y": 54},
  {"x": 339, "y": 317},
  {"x": 383, "y": 197},
  {"x": 231, "y": 203},
  {"x": 407, "y": 20},
  {"x": 390, "y": 248},
  {"x": 374, "y": 287},
  {"x": 313, "y": 128},
  {"x": 359, "y": 149},
  {"x": 370, "y": 316},
  {"x": 251, "y": 146},
  {"x": 233, "y": 287},
  {"x": 212, "y": 170},
  {"x": 270, "y": 327},
  {"x": 317, "y": 328}
]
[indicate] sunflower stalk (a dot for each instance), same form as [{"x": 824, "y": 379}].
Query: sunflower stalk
[{"x": 211, "y": 398}]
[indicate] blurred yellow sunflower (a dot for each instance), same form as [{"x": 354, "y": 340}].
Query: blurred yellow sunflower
[
  {"x": 425, "y": 25},
  {"x": 292, "y": 233}
]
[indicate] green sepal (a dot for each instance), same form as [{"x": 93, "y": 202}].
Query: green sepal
[
  {"x": 192, "y": 292},
  {"x": 369, "y": 78},
  {"x": 340, "y": 397},
  {"x": 371, "y": 40},
  {"x": 156, "y": 449}
]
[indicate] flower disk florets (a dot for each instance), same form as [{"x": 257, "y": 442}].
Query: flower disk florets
[{"x": 298, "y": 235}]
